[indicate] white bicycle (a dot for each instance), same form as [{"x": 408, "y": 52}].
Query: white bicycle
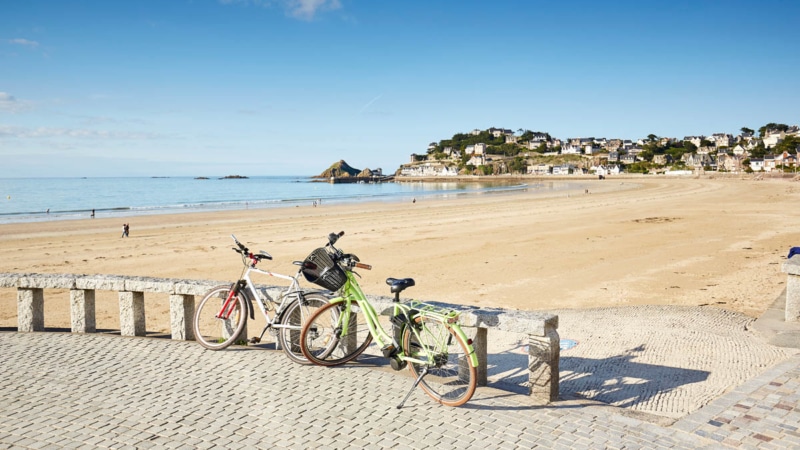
[{"x": 222, "y": 314}]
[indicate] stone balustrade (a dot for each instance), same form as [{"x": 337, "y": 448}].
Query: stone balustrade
[
  {"x": 792, "y": 268},
  {"x": 541, "y": 328}
]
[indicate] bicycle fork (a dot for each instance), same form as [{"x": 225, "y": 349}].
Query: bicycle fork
[{"x": 228, "y": 306}]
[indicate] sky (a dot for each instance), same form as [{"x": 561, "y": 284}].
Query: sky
[{"x": 289, "y": 87}]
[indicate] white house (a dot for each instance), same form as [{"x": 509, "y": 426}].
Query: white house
[{"x": 539, "y": 169}]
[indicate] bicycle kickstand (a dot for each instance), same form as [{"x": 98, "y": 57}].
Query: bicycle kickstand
[{"x": 416, "y": 382}]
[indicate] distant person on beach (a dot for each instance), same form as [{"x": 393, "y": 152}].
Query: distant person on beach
[
  {"x": 125, "y": 230},
  {"x": 414, "y": 201},
  {"x": 92, "y": 214}
]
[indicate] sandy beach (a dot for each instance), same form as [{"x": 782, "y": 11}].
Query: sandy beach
[{"x": 631, "y": 241}]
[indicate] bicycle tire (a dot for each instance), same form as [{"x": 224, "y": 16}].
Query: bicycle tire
[
  {"x": 323, "y": 344},
  {"x": 295, "y": 316},
  {"x": 214, "y": 333},
  {"x": 450, "y": 380}
]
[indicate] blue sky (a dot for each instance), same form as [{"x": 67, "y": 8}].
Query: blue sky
[{"x": 287, "y": 87}]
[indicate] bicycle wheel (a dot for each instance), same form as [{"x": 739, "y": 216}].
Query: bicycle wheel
[
  {"x": 450, "y": 379},
  {"x": 323, "y": 340},
  {"x": 292, "y": 321},
  {"x": 215, "y": 333}
]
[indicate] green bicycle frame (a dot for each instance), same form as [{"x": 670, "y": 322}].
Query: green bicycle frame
[{"x": 351, "y": 292}]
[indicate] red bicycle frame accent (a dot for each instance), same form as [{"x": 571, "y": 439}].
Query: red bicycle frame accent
[{"x": 227, "y": 309}]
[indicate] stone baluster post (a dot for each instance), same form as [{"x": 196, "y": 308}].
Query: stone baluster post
[
  {"x": 792, "y": 268},
  {"x": 131, "y": 313},
  {"x": 82, "y": 310},
  {"x": 30, "y": 309}
]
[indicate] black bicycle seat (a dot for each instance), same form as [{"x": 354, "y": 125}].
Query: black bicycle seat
[{"x": 398, "y": 284}]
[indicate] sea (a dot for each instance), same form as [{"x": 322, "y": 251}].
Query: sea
[{"x": 45, "y": 199}]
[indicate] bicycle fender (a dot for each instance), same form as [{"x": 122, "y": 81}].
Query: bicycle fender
[
  {"x": 248, "y": 300},
  {"x": 473, "y": 357}
]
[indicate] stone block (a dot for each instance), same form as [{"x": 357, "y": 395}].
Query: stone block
[
  {"x": 82, "y": 311},
  {"x": 192, "y": 287},
  {"x": 9, "y": 280},
  {"x": 792, "y": 310},
  {"x": 131, "y": 313},
  {"x": 100, "y": 282},
  {"x": 46, "y": 281},
  {"x": 543, "y": 360},
  {"x": 30, "y": 310},
  {"x": 181, "y": 314},
  {"x": 149, "y": 284}
]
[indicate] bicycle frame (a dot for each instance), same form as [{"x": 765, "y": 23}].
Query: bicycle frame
[
  {"x": 351, "y": 292},
  {"x": 247, "y": 288}
]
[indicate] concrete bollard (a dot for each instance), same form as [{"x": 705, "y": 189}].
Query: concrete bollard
[
  {"x": 131, "y": 313},
  {"x": 82, "y": 311},
  {"x": 792, "y": 268},
  {"x": 181, "y": 313},
  {"x": 30, "y": 309},
  {"x": 543, "y": 356}
]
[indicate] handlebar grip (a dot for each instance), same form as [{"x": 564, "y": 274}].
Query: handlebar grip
[{"x": 363, "y": 266}]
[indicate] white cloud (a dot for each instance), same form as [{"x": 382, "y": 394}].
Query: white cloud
[
  {"x": 306, "y": 9},
  {"x": 7, "y": 131},
  {"x": 9, "y": 103},
  {"x": 300, "y": 9},
  {"x": 24, "y": 42}
]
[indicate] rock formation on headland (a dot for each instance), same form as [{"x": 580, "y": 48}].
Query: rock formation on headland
[{"x": 339, "y": 169}]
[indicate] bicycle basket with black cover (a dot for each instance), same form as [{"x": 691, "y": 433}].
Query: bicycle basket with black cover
[{"x": 319, "y": 268}]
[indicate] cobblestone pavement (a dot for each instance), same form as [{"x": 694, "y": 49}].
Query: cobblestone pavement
[{"x": 105, "y": 391}]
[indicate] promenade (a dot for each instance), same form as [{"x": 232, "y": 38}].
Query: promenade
[{"x": 106, "y": 391}]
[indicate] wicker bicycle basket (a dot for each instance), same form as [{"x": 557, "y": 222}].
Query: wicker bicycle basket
[{"x": 321, "y": 270}]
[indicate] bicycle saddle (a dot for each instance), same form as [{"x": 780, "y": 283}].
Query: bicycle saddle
[{"x": 399, "y": 284}]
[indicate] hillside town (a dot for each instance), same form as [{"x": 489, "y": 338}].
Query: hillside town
[{"x": 498, "y": 151}]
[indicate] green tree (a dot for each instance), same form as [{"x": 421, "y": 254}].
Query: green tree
[
  {"x": 689, "y": 146},
  {"x": 652, "y": 137},
  {"x": 746, "y": 130},
  {"x": 518, "y": 165},
  {"x": 772, "y": 127},
  {"x": 789, "y": 144}
]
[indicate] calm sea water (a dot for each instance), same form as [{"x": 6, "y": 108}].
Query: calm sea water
[{"x": 29, "y": 199}]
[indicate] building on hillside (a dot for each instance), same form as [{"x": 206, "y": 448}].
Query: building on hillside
[
  {"x": 539, "y": 169},
  {"x": 429, "y": 170},
  {"x": 729, "y": 163},
  {"x": 613, "y": 145},
  {"x": 696, "y": 140},
  {"x": 662, "y": 159},
  {"x": 497, "y": 132},
  {"x": 773, "y": 138},
  {"x": 757, "y": 164},
  {"x": 563, "y": 169},
  {"x": 572, "y": 148},
  {"x": 721, "y": 139}
]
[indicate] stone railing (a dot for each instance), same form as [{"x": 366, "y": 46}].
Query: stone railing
[
  {"x": 541, "y": 328},
  {"x": 792, "y": 268}
]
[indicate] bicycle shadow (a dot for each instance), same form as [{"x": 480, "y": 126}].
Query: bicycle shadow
[{"x": 619, "y": 380}]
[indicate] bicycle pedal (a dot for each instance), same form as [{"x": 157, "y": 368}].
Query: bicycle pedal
[{"x": 254, "y": 340}]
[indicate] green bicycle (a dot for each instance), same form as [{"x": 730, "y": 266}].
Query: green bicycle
[{"x": 426, "y": 338}]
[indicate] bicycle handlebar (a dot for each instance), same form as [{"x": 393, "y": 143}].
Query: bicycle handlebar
[{"x": 349, "y": 260}]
